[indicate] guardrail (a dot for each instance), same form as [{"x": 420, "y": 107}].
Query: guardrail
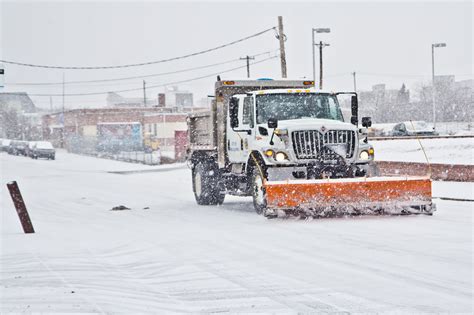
[
  {"x": 443, "y": 172},
  {"x": 421, "y": 137}
]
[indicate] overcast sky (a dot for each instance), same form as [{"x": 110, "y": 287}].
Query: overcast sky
[{"x": 383, "y": 42}]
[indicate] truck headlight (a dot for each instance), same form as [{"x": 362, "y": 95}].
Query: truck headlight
[
  {"x": 364, "y": 155},
  {"x": 281, "y": 156},
  {"x": 281, "y": 132}
]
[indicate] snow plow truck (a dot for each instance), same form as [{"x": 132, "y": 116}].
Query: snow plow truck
[{"x": 287, "y": 145}]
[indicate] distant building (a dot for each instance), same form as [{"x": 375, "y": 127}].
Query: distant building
[
  {"x": 172, "y": 98},
  {"x": 454, "y": 102},
  {"x": 19, "y": 117},
  {"x": 383, "y": 104},
  {"x": 177, "y": 98},
  {"x": 19, "y": 101},
  {"x": 116, "y": 100},
  {"x": 454, "y": 99}
]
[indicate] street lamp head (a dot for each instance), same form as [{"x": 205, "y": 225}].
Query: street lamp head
[
  {"x": 439, "y": 45},
  {"x": 322, "y": 30}
]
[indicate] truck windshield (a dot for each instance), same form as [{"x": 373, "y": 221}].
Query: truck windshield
[{"x": 297, "y": 105}]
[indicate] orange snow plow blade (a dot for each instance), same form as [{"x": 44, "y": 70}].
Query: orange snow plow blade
[{"x": 352, "y": 193}]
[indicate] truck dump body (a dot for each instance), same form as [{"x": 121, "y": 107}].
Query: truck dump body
[{"x": 201, "y": 133}]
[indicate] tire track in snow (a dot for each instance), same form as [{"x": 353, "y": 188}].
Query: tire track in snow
[
  {"x": 38, "y": 282},
  {"x": 325, "y": 258}
]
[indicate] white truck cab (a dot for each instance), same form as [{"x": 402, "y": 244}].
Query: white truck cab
[{"x": 310, "y": 129}]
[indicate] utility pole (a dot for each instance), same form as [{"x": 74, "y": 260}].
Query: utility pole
[
  {"x": 51, "y": 104},
  {"x": 433, "y": 92},
  {"x": 63, "y": 95},
  {"x": 248, "y": 58},
  {"x": 321, "y": 45},
  {"x": 282, "y": 38},
  {"x": 144, "y": 93},
  {"x": 63, "y": 120},
  {"x": 355, "y": 86},
  {"x": 433, "y": 46}
]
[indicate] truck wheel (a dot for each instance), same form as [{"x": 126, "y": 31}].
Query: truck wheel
[
  {"x": 258, "y": 192},
  {"x": 206, "y": 185}
]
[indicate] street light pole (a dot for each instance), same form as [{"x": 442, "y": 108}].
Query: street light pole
[
  {"x": 433, "y": 92},
  {"x": 314, "y": 64},
  {"x": 144, "y": 93},
  {"x": 354, "y": 77},
  {"x": 318, "y": 30},
  {"x": 320, "y": 65}
]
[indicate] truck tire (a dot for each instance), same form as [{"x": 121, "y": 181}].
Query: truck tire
[
  {"x": 206, "y": 184},
  {"x": 258, "y": 191}
]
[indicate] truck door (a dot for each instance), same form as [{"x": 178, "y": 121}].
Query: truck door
[
  {"x": 234, "y": 143},
  {"x": 239, "y": 139},
  {"x": 248, "y": 123}
]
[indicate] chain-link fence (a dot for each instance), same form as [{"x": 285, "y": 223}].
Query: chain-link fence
[{"x": 91, "y": 146}]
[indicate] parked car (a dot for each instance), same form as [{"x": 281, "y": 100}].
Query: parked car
[
  {"x": 413, "y": 128},
  {"x": 43, "y": 149},
  {"x": 29, "y": 148},
  {"x": 380, "y": 130},
  {"x": 4, "y": 144},
  {"x": 17, "y": 147}
]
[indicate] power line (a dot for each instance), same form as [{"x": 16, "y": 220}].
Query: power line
[
  {"x": 123, "y": 78},
  {"x": 392, "y": 75},
  {"x": 135, "y": 77},
  {"x": 395, "y": 75},
  {"x": 159, "y": 85},
  {"x": 138, "y": 64}
]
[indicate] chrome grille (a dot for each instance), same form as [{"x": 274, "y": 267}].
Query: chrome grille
[{"x": 312, "y": 144}]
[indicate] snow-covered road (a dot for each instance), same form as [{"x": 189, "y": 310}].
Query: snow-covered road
[{"x": 169, "y": 255}]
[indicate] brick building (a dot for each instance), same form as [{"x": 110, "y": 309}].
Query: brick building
[{"x": 81, "y": 127}]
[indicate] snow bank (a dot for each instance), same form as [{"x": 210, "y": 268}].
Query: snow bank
[{"x": 448, "y": 151}]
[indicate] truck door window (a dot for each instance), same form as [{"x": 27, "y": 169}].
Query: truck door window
[
  {"x": 334, "y": 109},
  {"x": 234, "y": 110},
  {"x": 247, "y": 116}
]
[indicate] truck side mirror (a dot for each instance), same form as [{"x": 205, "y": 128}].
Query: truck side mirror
[
  {"x": 354, "y": 110},
  {"x": 234, "y": 112},
  {"x": 366, "y": 122},
  {"x": 272, "y": 123}
]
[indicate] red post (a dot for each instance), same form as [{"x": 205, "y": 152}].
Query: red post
[{"x": 20, "y": 207}]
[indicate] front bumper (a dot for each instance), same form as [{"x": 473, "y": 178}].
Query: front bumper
[
  {"x": 316, "y": 171},
  {"x": 44, "y": 154}
]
